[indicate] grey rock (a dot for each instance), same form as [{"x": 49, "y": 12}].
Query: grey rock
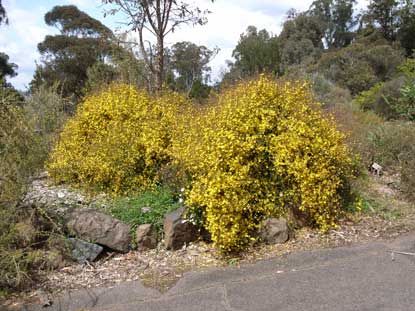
[
  {"x": 146, "y": 237},
  {"x": 100, "y": 228},
  {"x": 178, "y": 231},
  {"x": 274, "y": 231},
  {"x": 43, "y": 297},
  {"x": 83, "y": 251}
]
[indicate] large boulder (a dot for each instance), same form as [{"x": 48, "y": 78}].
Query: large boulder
[
  {"x": 146, "y": 237},
  {"x": 84, "y": 251},
  {"x": 178, "y": 231},
  {"x": 274, "y": 231},
  {"x": 100, "y": 228}
]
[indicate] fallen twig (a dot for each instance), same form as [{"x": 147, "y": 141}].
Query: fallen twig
[{"x": 400, "y": 253}]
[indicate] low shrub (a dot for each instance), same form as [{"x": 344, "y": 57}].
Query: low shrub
[
  {"x": 408, "y": 176},
  {"x": 327, "y": 93},
  {"x": 23, "y": 149},
  {"x": 358, "y": 126},
  {"x": 406, "y": 105},
  {"x": 361, "y": 65},
  {"x": 394, "y": 147},
  {"x": 263, "y": 150},
  {"x": 383, "y": 98},
  {"x": 391, "y": 144},
  {"x": 157, "y": 204}
]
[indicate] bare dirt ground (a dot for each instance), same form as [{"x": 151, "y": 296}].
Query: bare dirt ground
[{"x": 386, "y": 215}]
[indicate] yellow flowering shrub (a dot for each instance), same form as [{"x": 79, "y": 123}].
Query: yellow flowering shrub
[
  {"x": 118, "y": 141},
  {"x": 263, "y": 149}
]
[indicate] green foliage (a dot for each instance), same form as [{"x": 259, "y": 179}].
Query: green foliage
[
  {"x": 19, "y": 152},
  {"x": 408, "y": 68},
  {"x": 6, "y": 68},
  {"x": 9, "y": 95},
  {"x": 73, "y": 22},
  {"x": 359, "y": 67},
  {"x": 100, "y": 75},
  {"x": 338, "y": 19},
  {"x": 388, "y": 143},
  {"x": 46, "y": 112},
  {"x": 382, "y": 98},
  {"x": 394, "y": 149},
  {"x": 129, "y": 68},
  {"x": 395, "y": 98},
  {"x": 406, "y": 32},
  {"x": 405, "y": 107},
  {"x": 200, "y": 91},
  {"x": 393, "y": 143},
  {"x": 358, "y": 126},
  {"x": 385, "y": 13},
  {"x": 160, "y": 201},
  {"x": 22, "y": 153},
  {"x": 67, "y": 56},
  {"x": 302, "y": 25},
  {"x": 327, "y": 92},
  {"x": 257, "y": 52},
  {"x": 300, "y": 39},
  {"x": 190, "y": 63}
]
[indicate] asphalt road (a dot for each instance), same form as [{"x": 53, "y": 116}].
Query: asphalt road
[{"x": 363, "y": 278}]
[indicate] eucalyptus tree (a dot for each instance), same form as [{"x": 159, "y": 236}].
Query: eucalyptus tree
[
  {"x": 66, "y": 57},
  {"x": 156, "y": 19},
  {"x": 190, "y": 64}
]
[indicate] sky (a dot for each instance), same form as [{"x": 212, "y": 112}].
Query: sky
[{"x": 227, "y": 20}]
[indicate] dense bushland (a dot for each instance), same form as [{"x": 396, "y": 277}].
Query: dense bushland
[{"x": 25, "y": 138}]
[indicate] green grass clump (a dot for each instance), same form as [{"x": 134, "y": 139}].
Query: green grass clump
[{"x": 160, "y": 201}]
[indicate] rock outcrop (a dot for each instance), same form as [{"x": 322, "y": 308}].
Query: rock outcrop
[
  {"x": 84, "y": 251},
  {"x": 274, "y": 231},
  {"x": 97, "y": 227},
  {"x": 178, "y": 231},
  {"x": 146, "y": 237}
]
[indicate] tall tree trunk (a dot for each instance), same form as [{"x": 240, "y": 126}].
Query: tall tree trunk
[{"x": 159, "y": 67}]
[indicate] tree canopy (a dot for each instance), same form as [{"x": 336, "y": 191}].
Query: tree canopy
[
  {"x": 7, "y": 69},
  {"x": 337, "y": 20},
  {"x": 300, "y": 38},
  {"x": 257, "y": 52},
  {"x": 190, "y": 64},
  {"x": 3, "y": 15},
  {"x": 66, "y": 57}
]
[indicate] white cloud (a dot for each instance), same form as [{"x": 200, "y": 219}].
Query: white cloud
[
  {"x": 227, "y": 21},
  {"x": 229, "y": 18},
  {"x": 27, "y": 28},
  {"x": 19, "y": 40}
]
